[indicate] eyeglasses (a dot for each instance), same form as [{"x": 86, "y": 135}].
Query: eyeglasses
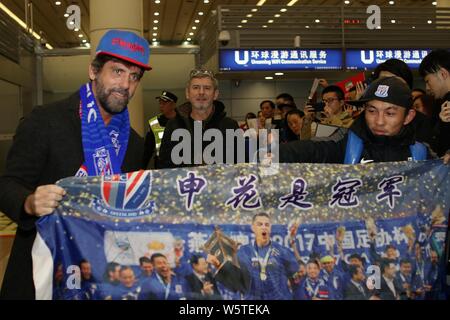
[
  {"x": 329, "y": 100},
  {"x": 200, "y": 72}
]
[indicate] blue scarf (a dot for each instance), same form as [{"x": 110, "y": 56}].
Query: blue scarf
[{"x": 104, "y": 147}]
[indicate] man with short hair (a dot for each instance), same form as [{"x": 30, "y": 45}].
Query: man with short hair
[
  {"x": 201, "y": 283},
  {"x": 146, "y": 267},
  {"x": 167, "y": 106},
  {"x": 265, "y": 266},
  {"x": 356, "y": 288},
  {"x": 88, "y": 134},
  {"x": 202, "y": 110},
  {"x": 435, "y": 69},
  {"x": 165, "y": 284},
  {"x": 381, "y": 134},
  {"x": 389, "y": 289}
]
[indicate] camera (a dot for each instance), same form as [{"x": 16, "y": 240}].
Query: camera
[
  {"x": 224, "y": 37},
  {"x": 319, "y": 106}
]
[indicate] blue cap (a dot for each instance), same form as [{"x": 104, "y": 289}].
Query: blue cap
[{"x": 127, "y": 46}]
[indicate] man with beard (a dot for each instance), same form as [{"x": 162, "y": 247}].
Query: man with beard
[
  {"x": 202, "y": 113},
  {"x": 87, "y": 134}
]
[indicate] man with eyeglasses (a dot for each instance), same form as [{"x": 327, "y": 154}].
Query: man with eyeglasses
[
  {"x": 87, "y": 134},
  {"x": 183, "y": 143},
  {"x": 335, "y": 113}
]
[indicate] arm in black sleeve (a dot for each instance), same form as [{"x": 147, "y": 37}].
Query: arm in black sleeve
[
  {"x": 149, "y": 147},
  {"x": 307, "y": 151},
  {"x": 24, "y": 165},
  {"x": 165, "y": 159}
]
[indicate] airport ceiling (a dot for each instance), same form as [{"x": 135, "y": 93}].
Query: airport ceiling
[{"x": 176, "y": 19}]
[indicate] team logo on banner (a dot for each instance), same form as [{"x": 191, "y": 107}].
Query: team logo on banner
[{"x": 126, "y": 195}]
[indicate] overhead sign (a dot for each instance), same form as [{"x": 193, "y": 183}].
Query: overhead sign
[
  {"x": 279, "y": 59},
  {"x": 369, "y": 59}
]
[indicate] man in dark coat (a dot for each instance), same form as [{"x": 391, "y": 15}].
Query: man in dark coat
[
  {"x": 86, "y": 134},
  {"x": 201, "y": 113}
]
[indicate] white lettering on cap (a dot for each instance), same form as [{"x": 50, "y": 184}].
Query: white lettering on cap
[{"x": 382, "y": 91}]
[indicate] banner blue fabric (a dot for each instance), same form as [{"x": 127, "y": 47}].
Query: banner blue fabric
[{"x": 394, "y": 213}]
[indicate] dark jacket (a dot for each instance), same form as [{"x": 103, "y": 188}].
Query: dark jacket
[
  {"x": 196, "y": 287},
  {"x": 386, "y": 293},
  {"x": 351, "y": 292},
  {"x": 46, "y": 148},
  {"x": 218, "y": 120},
  {"x": 377, "y": 149},
  {"x": 442, "y": 132}
]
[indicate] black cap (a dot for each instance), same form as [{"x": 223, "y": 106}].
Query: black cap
[
  {"x": 391, "y": 89},
  {"x": 167, "y": 96}
]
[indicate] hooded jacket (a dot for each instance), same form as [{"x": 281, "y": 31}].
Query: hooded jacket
[
  {"x": 217, "y": 120},
  {"x": 375, "y": 149}
]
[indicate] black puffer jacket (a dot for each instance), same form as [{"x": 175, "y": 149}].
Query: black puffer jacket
[
  {"x": 218, "y": 120},
  {"x": 377, "y": 149}
]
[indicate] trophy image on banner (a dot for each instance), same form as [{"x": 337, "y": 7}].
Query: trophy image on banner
[
  {"x": 229, "y": 272},
  {"x": 222, "y": 247}
]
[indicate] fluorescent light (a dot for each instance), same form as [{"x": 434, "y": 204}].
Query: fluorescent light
[
  {"x": 249, "y": 15},
  {"x": 58, "y": 3},
  {"x": 189, "y": 39},
  {"x": 155, "y": 34},
  {"x": 283, "y": 10},
  {"x": 197, "y": 21},
  {"x": 191, "y": 33},
  {"x": 434, "y": 3},
  {"x": 254, "y": 10},
  {"x": 430, "y": 22},
  {"x": 244, "y": 21},
  {"x": 279, "y": 74},
  {"x": 317, "y": 21},
  {"x": 21, "y": 23},
  {"x": 206, "y": 1},
  {"x": 260, "y": 3},
  {"x": 264, "y": 26},
  {"x": 277, "y": 15},
  {"x": 239, "y": 26},
  {"x": 80, "y": 36},
  {"x": 155, "y": 21},
  {"x": 347, "y": 2},
  {"x": 66, "y": 15},
  {"x": 391, "y": 2},
  {"x": 155, "y": 28},
  {"x": 157, "y": 1},
  {"x": 194, "y": 27},
  {"x": 291, "y": 3},
  {"x": 270, "y": 21},
  {"x": 84, "y": 41},
  {"x": 268, "y": 78},
  {"x": 393, "y": 21},
  {"x": 76, "y": 29},
  {"x": 200, "y": 13},
  {"x": 307, "y": 27},
  {"x": 156, "y": 14}
]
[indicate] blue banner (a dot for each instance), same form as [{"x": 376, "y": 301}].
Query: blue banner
[
  {"x": 333, "y": 218},
  {"x": 370, "y": 58},
  {"x": 279, "y": 59}
]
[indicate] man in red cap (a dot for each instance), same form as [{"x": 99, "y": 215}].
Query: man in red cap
[{"x": 87, "y": 134}]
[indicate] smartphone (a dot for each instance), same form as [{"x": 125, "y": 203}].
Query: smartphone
[{"x": 319, "y": 107}]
